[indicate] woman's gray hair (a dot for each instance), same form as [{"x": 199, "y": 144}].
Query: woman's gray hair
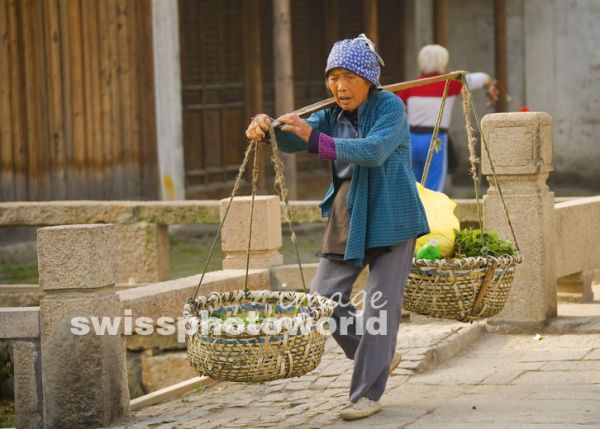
[{"x": 433, "y": 59}]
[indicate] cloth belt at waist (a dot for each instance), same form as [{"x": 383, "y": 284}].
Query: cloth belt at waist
[{"x": 427, "y": 130}]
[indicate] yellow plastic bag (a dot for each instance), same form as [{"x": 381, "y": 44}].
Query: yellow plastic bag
[{"x": 439, "y": 209}]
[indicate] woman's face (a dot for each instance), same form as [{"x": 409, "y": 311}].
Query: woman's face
[{"x": 348, "y": 89}]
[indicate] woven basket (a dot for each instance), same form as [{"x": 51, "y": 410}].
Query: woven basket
[
  {"x": 274, "y": 349},
  {"x": 463, "y": 289}
]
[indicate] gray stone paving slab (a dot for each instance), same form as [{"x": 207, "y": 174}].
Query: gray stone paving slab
[
  {"x": 497, "y": 382},
  {"x": 507, "y": 391},
  {"x": 578, "y": 365},
  {"x": 450, "y": 375},
  {"x": 557, "y": 354},
  {"x": 575, "y": 392},
  {"x": 559, "y": 377},
  {"x": 496, "y": 425},
  {"x": 569, "y": 340},
  {"x": 489, "y": 409},
  {"x": 593, "y": 354}
]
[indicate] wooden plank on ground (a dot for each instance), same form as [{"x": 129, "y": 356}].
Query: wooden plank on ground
[{"x": 170, "y": 392}]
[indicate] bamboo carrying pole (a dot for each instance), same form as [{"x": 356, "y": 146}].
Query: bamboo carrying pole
[{"x": 324, "y": 104}]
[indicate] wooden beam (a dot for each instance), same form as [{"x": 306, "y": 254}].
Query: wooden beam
[
  {"x": 253, "y": 85},
  {"x": 149, "y": 149},
  {"x": 501, "y": 53},
  {"x": 440, "y": 22},
  {"x": 78, "y": 124},
  {"x": 284, "y": 79},
  {"x": 35, "y": 99},
  {"x": 7, "y": 185},
  {"x": 332, "y": 29},
  {"x": 370, "y": 8},
  {"x": 170, "y": 392},
  {"x": 17, "y": 101},
  {"x": 169, "y": 119}
]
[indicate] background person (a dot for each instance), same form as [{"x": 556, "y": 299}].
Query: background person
[
  {"x": 423, "y": 104},
  {"x": 373, "y": 206}
]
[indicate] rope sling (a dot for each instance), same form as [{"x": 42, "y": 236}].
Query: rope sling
[
  {"x": 274, "y": 350},
  {"x": 463, "y": 289}
]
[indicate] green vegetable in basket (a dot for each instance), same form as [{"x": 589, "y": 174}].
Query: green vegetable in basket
[
  {"x": 218, "y": 315},
  {"x": 477, "y": 242}
]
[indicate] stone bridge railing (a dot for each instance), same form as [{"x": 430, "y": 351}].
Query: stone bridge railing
[
  {"x": 22, "y": 326},
  {"x": 143, "y": 245},
  {"x": 69, "y": 377},
  {"x": 577, "y": 247}
]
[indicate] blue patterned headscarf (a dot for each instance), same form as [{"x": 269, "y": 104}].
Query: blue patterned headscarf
[{"x": 357, "y": 55}]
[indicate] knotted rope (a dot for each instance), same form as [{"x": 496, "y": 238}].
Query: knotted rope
[{"x": 280, "y": 187}]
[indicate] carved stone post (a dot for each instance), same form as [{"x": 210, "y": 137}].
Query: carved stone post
[
  {"x": 84, "y": 375},
  {"x": 520, "y": 146},
  {"x": 143, "y": 253}
]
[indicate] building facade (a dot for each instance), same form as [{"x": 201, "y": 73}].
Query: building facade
[{"x": 146, "y": 99}]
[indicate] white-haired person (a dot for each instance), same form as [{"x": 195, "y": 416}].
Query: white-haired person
[
  {"x": 373, "y": 207},
  {"x": 422, "y": 105}
]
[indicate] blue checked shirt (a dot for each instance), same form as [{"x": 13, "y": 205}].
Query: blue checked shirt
[{"x": 383, "y": 203}]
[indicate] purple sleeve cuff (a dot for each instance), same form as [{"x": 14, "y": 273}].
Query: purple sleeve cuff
[
  {"x": 326, "y": 147},
  {"x": 313, "y": 141}
]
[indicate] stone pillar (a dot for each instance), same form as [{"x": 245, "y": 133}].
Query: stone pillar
[
  {"x": 28, "y": 383},
  {"x": 83, "y": 371},
  {"x": 143, "y": 253},
  {"x": 520, "y": 145},
  {"x": 266, "y": 232},
  {"x": 21, "y": 326},
  {"x": 576, "y": 287},
  {"x": 167, "y": 92}
]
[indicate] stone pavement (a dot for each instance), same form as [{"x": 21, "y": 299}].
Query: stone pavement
[
  {"x": 304, "y": 401},
  {"x": 498, "y": 381}
]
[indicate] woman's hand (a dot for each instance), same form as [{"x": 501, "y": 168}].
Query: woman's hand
[
  {"x": 295, "y": 124},
  {"x": 258, "y": 127}
]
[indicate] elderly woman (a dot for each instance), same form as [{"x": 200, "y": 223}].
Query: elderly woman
[{"x": 373, "y": 207}]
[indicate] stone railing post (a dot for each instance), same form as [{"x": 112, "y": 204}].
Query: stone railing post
[
  {"x": 143, "y": 253},
  {"x": 520, "y": 145},
  {"x": 84, "y": 373},
  {"x": 576, "y": 287},
  {"x": 266, "y": 232},
  {"x": 28, "y": 383},
  {"x": 21, "y": 326}
]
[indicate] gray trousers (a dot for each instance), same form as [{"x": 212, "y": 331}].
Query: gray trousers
[{"x": 371, "y": 349}]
